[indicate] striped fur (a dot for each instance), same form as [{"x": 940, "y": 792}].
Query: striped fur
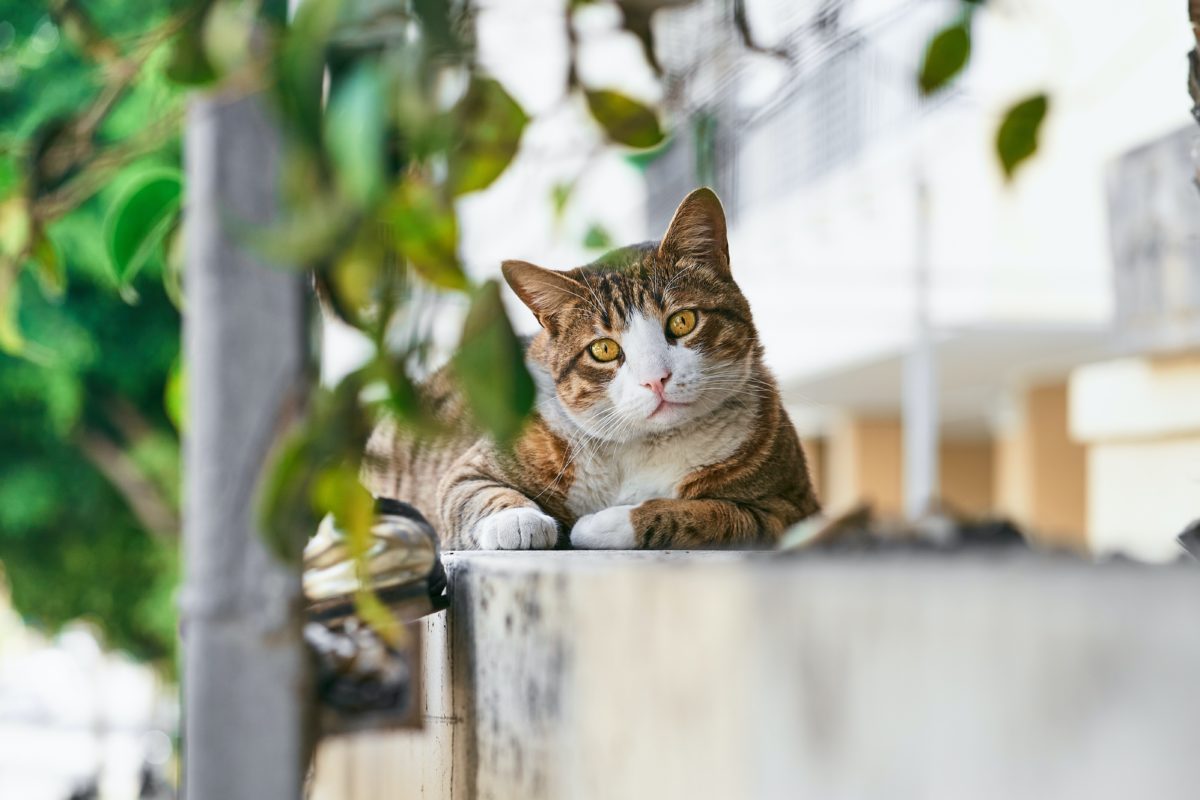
[{"x": 676, "y": 443}]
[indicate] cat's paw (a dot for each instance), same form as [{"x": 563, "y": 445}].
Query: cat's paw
[
  {"x": 610, "y": 529},
  {"x": 517, "y": 529}
]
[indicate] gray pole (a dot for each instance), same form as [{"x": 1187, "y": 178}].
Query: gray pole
[
  {"x": 920, "y": 404},
  {"x": 245, "y": 677}
]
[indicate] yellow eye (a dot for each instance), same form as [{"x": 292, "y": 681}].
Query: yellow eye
[
  {"x": 604, "y": 349},
  {"x": 681, "y": 323}
]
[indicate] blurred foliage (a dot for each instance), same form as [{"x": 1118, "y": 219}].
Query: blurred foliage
[
  {"x": 89, "y": 461},
  {"x": 490, "y": 366},
  {"x": 1017, "y": 138},
  {"x": 387, "y": 118},
  {"x": 597, "y": 237},
  {"x": 947, "y": 55}
]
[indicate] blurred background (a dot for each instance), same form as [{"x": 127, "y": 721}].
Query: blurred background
[
  {"x": 868, "y": 220},
  {"x": 1013, "y": 337}
]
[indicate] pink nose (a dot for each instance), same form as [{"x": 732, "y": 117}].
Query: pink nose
[{"x": 658, "y": 385}]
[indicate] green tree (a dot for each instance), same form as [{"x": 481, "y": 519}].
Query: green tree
[{"x": 89, "y": 460}]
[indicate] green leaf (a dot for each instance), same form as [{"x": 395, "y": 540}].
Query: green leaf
[
  {"x": 403, "y": 399},
  {"x": 354, "y": 133},
  {"x": 188, "y": 64},
  {"x": 641, "y": 159},
  {"x": 437, "y": 26},
  {"x": 11, "y": 340},
  {"x": 491, "y": 123},
  {"x": 139, "y": 220},
  {"x": 336, "y": 490},
  {"x": 560, "y": 195},
  {"x": 284, "y": 498},
  {"x": 308, "y": 233},
  {"x": 353, "y": 279},
  {"x": 15, "y": 227},
  {"x": 490, "y": 367},
  {"x": 422, "y": 220},
  {"x": 300, "y": 68},
  {"x": 626, "y": 121},
  {"x": 10, "y": 175},
  {"x": 1017, "y": 138},
  {"x": 333, "y": 435},
  {"x": 175, "y": 394},
  {"x": 173, "y": 259},
  {"x": 945, "y": 57},
  {"x": 228, "y": 28},
  {"x": 15, "y": 231},
  {"x": 597, "y": 237},
  {"x": 51, "y": 274}
]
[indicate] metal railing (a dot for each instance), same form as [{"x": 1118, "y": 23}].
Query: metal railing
[{"x": 846, "y": 89}]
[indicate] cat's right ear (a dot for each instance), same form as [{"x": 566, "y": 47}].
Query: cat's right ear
[{"x": 543, "y": 290}]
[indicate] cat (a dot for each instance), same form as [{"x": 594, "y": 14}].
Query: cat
[{"x": 656, "y": 423}]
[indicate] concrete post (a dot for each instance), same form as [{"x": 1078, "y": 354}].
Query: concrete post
[
  {"x": 245, "y": 676},
  {"x": 920, "y": 393}
]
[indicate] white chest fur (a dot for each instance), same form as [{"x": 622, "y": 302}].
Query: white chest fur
[{"x": 614, "y": 474}]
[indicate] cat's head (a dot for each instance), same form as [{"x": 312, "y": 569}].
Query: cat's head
[{"x": 649, "y": 337}]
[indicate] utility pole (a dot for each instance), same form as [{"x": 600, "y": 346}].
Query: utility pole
[
  {"x": 920, "y": 400},
  {"x": 245, "y": 678}
]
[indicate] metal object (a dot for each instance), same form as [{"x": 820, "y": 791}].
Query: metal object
[
  {"x": 403, "y": 562},
  {"x": 362, "y": 682}
]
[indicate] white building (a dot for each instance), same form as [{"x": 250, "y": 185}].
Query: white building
[
  {"x": 820, "y": 162},
  {"x": 819, "y": 159}
]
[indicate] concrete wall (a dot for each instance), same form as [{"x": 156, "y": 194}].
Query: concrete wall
[{"x": 571, "y": 676}]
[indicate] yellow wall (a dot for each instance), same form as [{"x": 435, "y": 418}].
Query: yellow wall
[
  {"x": 1040, "y": 473},
  {"x": 864, "y": 457},
  {"x": 814, "y": 454},
  {"x": 864, "y": 462},
  {"x": 966, "y": 475}
]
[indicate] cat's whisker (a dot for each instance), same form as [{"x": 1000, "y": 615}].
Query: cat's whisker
[
  {"x": 577, "y": 446},
  {"x": 592, "y": 289},
  {"x": 570, "y": 459}
]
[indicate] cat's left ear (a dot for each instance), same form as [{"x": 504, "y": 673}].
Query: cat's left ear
[
  {"x": 698, "y": 231},
  {"x": 545, "y": 291}
]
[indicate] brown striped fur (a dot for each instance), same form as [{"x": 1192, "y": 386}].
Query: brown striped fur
[{"x": 677, "y": 443}]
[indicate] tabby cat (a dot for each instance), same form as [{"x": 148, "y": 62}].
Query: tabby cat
[{"x": 656, "y": 426}]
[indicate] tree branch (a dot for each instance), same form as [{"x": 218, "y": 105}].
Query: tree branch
[{"x": 140, "y": 493}]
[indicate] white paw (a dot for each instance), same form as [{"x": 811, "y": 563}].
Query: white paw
[
  {"x": 516, "y": 529},
  {"x": 610, "y": 529}
]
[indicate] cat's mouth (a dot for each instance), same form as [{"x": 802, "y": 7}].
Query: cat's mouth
[{"x": 665, "y": 406}]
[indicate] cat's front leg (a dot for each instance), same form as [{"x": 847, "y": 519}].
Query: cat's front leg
[
  {"x": 610, "y": 529},
  {"x": 517, "y": 528},
  {"x": 680, "y": 524},
  {"x": 481, "y": 511},
  {"x": 497, "y": 517}
]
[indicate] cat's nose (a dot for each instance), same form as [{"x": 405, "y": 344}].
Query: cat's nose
[{"x": 658, "y": 385}]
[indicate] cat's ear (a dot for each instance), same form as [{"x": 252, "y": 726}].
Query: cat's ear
[
  {"x": 543, "y": 290},
  {"x": 698, "y": 231}
]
